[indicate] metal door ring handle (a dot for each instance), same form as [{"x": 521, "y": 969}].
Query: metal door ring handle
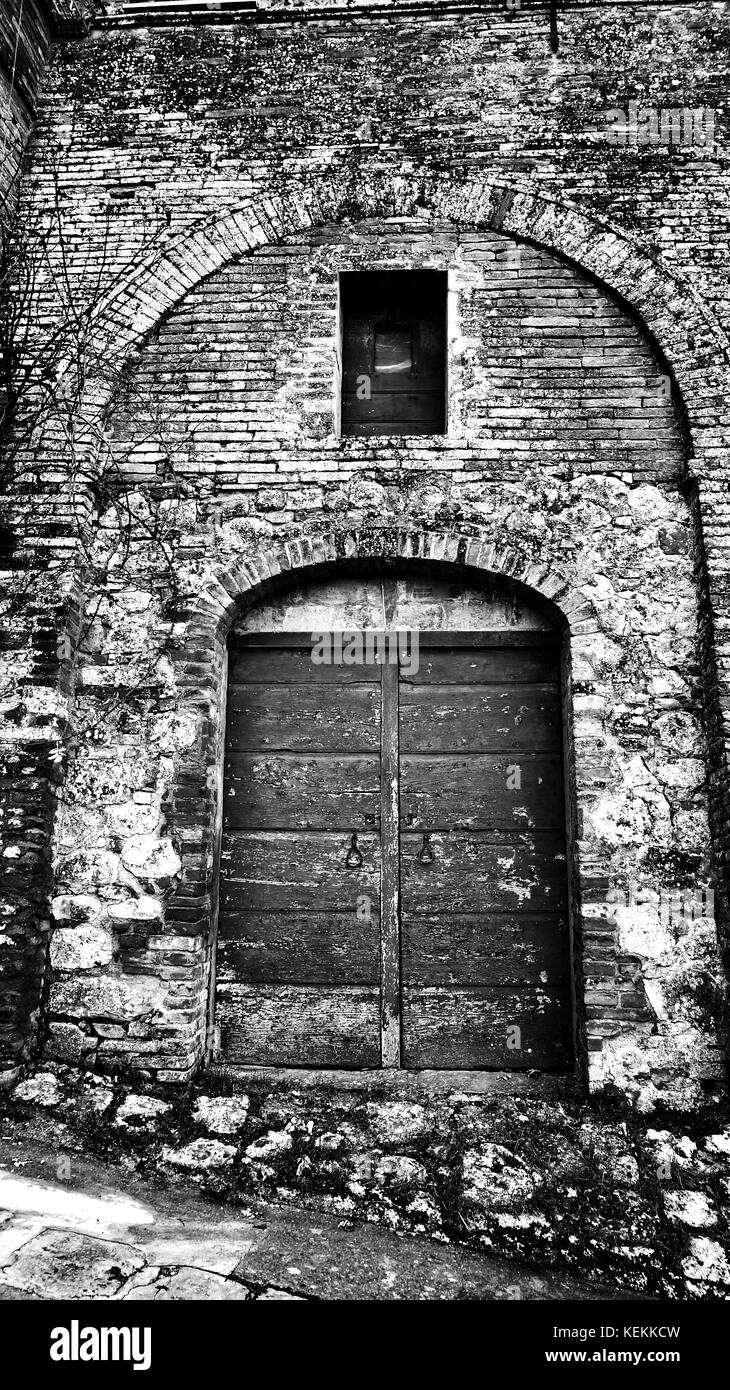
[
  {"x": 425, "y": 854},
  {"x": 353, "y": 858}
]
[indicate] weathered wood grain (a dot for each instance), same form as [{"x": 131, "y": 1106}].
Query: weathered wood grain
[
  {"x": 473, "y": 791},
  {"x": 299, "y": 1025},
  {"x": 299, "y": 870},
  {"x": 537, "y": 634},
  {"x": 467, "y": 1028},
  {"x": 485, "y": 949},
  {"x": 290, "y": 791},
  {"x": 472, "y": 873},
  {"x": 501, "y": 666},
  {"x": 482, "y": 719},
  {"x": 469, "y": 945},
  {"x": 293, "y": 665},
  {"x": 303, "y": 718},
  {"x": 390, "y": 875},
  {"x": 299, "y": 948}
]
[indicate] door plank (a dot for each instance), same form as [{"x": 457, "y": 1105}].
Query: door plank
[
  {"x": 511, "y": 638},
  {"x": 476, "y": 791},
  {"x": 472, "y": 873},
  {"x": 278, "y": 870},
  {"x": 467, "y": 1028},
  {"x": 290, "y": 791},
  {"x": 480, "y": 718},
  {"x": 485, "y": 949},
  {"x": 500, "y": 666},
  {"x": 294, "y": 666},
  {"x": 303, "y": 718},
  {"x": 299, "y": 1025},
  {"x": 299, "y": 948}
]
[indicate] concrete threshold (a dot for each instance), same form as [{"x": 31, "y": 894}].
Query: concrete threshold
[{"x": 544, "y": 1085}]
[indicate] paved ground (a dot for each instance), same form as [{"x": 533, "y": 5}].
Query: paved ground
[{"x": 105, "y": 1235}]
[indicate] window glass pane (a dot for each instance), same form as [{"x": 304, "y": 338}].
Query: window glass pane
[{"x": 393, "y": 349}]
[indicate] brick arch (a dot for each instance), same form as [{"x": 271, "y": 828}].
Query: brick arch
[
  {"x": 674, "y": 316},
  {"x": 235, "y": 587},
  {"x": 193, "y": 813}
]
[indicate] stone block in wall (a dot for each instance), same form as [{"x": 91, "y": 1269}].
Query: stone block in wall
[
  {"x": 133, "y": 818},
  {"x": 133, "y": 911},
  {"x": 67, "y": 1043},
  {"x": 271, "y": 499},
  {"x": 118, "y": 998},
  {"x": 153, "y": 862},
  {"x": 81, "y": 948},
  {"x": 75, "y": 908}
]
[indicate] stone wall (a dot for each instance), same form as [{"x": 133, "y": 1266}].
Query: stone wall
[
  {"x": 29, "y": 690},
  {"x": 588, "y": 301}
]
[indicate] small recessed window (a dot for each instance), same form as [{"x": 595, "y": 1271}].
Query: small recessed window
[{"x": 393, "y": 352}]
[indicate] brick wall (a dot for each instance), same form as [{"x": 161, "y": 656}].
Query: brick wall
[
  {"x": 567, "y": 461},
  {"x": 541, "y": 365}
]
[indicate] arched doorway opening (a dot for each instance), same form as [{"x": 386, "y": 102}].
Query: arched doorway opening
[{"x": 394, "y": 883}]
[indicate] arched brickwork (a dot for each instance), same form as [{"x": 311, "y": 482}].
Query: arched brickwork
[
  {"x": 674, "y": 315},
  {"x": 685, "y": 331}
]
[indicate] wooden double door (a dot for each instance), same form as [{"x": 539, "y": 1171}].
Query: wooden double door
[{"x": 393, "y": 865}]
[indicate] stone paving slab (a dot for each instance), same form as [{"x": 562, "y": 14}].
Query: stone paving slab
[{"x": 358, "y": 1261}]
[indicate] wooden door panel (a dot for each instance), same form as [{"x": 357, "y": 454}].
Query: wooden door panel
[
  {"x": 480, "y": 718},
  {"x": 299, "y": 1025},
  {"x": 472, "y": 873},
  {"x": 285, "y": 666},
  {"x": 296, "y": 871},
  {"x": 471, "y": 1028},
  {"x": 484, "y": 948},
  {"x": 481, "y": 945},
  {"x": 322, "y": 948},
  {"x": 473, "y": 791},
  {"x": 484, "y": 942},
  {"x": 308, "y": 718},
  {"x": 298, "y": 956},
  {"x": 503, "y": 666},
  {"x": 290, "y": 791}
]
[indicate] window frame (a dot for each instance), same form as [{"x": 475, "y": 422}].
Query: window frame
[{"x": 417, "y": 299}]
